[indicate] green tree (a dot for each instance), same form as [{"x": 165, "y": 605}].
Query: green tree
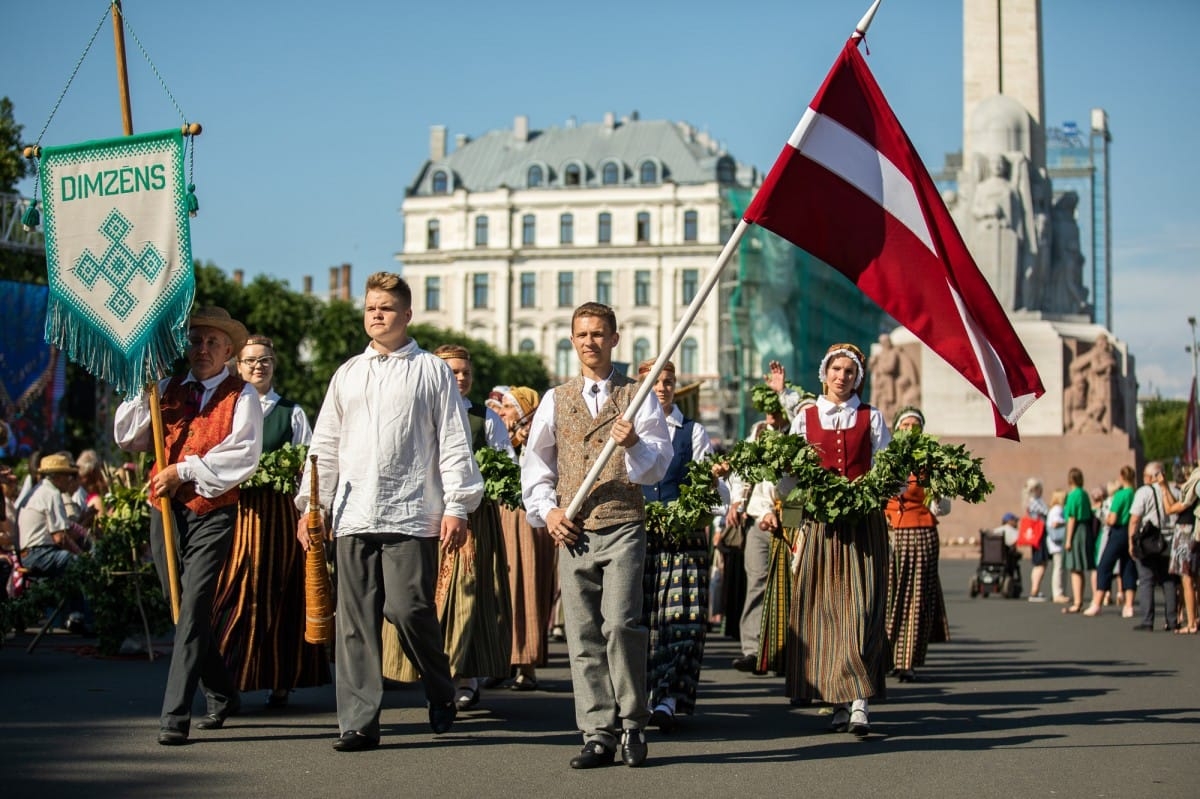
[
  {"x": 13, "y": 165},
  {"x": 1162, "y": 429}
]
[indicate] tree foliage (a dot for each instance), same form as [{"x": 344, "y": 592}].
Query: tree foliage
[
  {"x": 1162, "y": 429},
  {"x": 13, "y": 165}
]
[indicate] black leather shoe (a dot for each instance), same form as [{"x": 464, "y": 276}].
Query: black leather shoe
[
  {"x": 355, "y": 741},
  {"x": 593, "y": 755},
  {"x": 633, "y": 747},
  {"x": 1144, "y": 627},
  {"x": 441, "y": 717},
  {"x": 745, "y": 663},
  {"x": 663, "y": 718},
  {"x": 172, "y": 737},
  {"x": 215, "y": 721}
]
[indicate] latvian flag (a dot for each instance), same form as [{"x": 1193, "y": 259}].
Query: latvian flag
[{"x": 850, "y": 189}]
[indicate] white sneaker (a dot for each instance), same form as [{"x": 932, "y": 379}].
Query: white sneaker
[
  {"x": 860, "y": 725},
  {"x": 1036, "y": 598}
]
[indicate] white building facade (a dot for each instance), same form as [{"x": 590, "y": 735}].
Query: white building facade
[{"x": 506, "y": 235}]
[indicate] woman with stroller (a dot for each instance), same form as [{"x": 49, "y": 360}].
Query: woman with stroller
[
  {"x": 916, "y": 609},
  {"x": 837, "y": 645}
]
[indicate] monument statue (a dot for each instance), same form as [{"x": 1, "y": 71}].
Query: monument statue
[
  {"x": 998, "y": 229},
  {"x": 895, "y": 380},
  {"x": 1066, "y": 293},
  {"x": 1089, "y": 398}
]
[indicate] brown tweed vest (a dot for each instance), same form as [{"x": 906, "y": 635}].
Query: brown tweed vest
[{"x": 613, "y": 499}]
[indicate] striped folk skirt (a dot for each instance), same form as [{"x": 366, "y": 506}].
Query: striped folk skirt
[
  {"x": 473, "y": 606},
  {"x": 777, "y": 604},
  {"x": 532, "y": 577},
  {"x": 676, "y": 608},
  {"x": 258, "y": 612},
  {"x": 837, "y": 644},
  {"x": 916, "y": 615}
]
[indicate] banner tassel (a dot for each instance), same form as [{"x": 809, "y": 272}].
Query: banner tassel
[
  {"x": 193, "y": 205},
  {"x": 31, "y": 218}
]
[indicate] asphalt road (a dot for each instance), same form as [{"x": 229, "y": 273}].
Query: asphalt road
[{"x": 1025, "y": 702}]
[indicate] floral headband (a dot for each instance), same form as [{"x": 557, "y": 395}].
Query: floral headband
[{"x": 842, "y": 353}]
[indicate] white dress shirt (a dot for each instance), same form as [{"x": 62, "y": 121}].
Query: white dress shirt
[
  {"x": 392, "y": 445},
  {"x": 843, "y": 417},
  {"x": 301, "y": 432},
  {"x": 645, "y": 462},
  {"x": 224, "y": 466}
]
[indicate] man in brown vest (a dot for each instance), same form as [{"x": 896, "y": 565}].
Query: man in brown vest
[
  {"x": 212, "y": 426},
  {"x": 604, "y": 547}
]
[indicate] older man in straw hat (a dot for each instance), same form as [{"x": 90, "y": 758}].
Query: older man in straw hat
[
  {"x": 212, "y": 423},
  {"x": 48, "y": 541}
]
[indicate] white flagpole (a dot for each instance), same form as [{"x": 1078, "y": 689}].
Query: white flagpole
[
  {"x": 681, "y": 328},
  {"x": 651, "y": 378}
]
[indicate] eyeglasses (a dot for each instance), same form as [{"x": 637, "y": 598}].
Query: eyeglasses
[{"x": 253, "y": 362}]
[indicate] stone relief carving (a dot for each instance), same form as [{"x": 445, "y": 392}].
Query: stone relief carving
[
  {"x": 1090, "y": 395},
  {"x": 895, "y": 378}
]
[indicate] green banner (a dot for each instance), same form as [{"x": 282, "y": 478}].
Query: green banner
[{"x": 118, "y": 254}]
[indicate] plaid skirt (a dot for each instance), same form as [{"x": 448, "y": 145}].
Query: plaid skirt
[{"x": 916, "y": 614}]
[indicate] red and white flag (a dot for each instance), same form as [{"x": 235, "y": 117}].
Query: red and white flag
[
  {"x": 850, "y": 189},
  {"x": 1191, "y": 436}
]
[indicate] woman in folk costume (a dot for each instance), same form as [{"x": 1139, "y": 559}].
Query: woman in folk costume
[
  {"x": 258, "y": 613},
  {"x": 676, "y": 576},
  {"x": 532, "y": 574},
  {"x": 472, "y": 587},
  {"x": 838, "y": 650},
  {"x": 916, "y": 609}
]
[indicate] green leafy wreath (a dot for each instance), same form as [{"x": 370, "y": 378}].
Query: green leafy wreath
[
  {"x": 501, "y": 477},
  {"x": 280, "y": 469},
  {"x": 943, "y": 470},
  {"x": 681, "y": 518}
]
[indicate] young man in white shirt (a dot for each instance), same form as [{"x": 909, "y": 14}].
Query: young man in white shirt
[{"x": 397, "y": 476}]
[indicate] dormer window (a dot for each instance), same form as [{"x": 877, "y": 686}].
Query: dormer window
[
  {"x": 535, "y": 177},
  {"x": 649, "y": 173},
  {"x": 441, "y": 182},
  {"x": 610, "y": 175},
  {"x": 573, "y": 175}
]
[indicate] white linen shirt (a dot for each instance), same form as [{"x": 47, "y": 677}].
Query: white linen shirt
[
  {"x": 843, "y": 417},
  {"x": 301, "y": 432},
  {"x": 223, "y": 467},
  {"x": 392, "y": 445},
  {"x": 645, "y": 462},
  {"x": 42, "y": 515}
]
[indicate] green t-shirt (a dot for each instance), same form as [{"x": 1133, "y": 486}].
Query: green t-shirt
[
  {"x": 1121, "y": 502},
  {"x": 1077, "y": 506}
]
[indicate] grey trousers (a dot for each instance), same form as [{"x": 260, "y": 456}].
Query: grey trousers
[
  {"x": 1151, "y": 573},
  {"x": 202, "y": 544},
  {"x": 756, "y": 557},
  {"x": 602, "y": 595},
  {"x": 385, "y": 575}
]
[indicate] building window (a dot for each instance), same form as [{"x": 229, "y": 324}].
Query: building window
[
  {"x": 433, "y": 293},
  {"x": 690, "y": 226},
  {"x": 688, "y": 285},
  {"x": 573, "y": 175},
  {"x": 643, "y": 227},
  {"x": 441, "y": 182},
  {"x": 611, "y": 174},
  {"x": 479, "y": 291},
  {"x": 604, "y": 287},
  {"x": 641, "y": 288},
  {"x": 649, "y": 172},
  {"x": 528, "y": 289},
  {"x": 726, "y": 172},
  {"x": 527, "y": 345},
  {"x": 534, "y": 179},
  {"x": 687, "y": 357},
  {"x": 604, "y": 228},
  {"x": 562, "y": 358},
  {"x": 566, "y": 289},
  {"x": 566, "y": 229},
  {"x": 433, "y": 235},
  {"x": 528, "y": 230},
  {"x": 481, "y": 224},
  {"x": 641, "y": 351}
]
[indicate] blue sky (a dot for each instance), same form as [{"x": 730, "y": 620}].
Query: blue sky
[{"x": 317, "y": 115}]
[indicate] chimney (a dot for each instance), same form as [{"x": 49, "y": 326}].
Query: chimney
[
  {"x": 633, "y": 115},
  {"x": 610, "y": 120},
  {"x": 333, "y": 282},
  {"x": 521, "y": 128},
  {"x": 238, "y": 277},
  {"x": 345, "y": 281},
  {"x": 461, "y": 140},
  {"x": 437, "y": 142},
  {"x": 308, "y": 285}
]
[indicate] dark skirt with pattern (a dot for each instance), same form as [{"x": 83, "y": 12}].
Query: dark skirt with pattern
[
  {"x": 676, "y": 607},
  {"x": 837, "y": 645},
  {"x": 473, "y": 606},
  {"x": 916, "y": 615},
  {"x": 531, "y": 580},
  {"x": 258, "y": 613},
  {"x": 777, "y": 605}
]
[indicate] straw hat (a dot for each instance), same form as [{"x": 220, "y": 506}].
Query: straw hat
[
  {"x": 213, "y": 316},
  {"x": 58, "y": 463}
]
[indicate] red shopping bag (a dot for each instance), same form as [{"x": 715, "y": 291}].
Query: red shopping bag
[{"x": 1030, "y": 532}]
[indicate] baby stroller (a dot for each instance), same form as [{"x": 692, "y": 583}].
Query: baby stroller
[{"x": 999, "y": 571}]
